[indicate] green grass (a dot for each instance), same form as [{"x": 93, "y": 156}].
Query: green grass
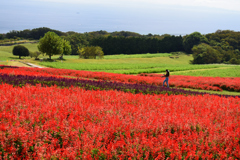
[
  {"x": 224, "y": 71},
  {"x": 124, "y": 56},
  {"x": 129, "y": 65},
  {"x": 30, "y": 46},
  {"x": 125, "y": 64},
  {"x": 6, "y": 51},
  {"x": 148, "y": 55},
  {"x": 215, "y": 92},
  {"x": 15, "y": 41}
]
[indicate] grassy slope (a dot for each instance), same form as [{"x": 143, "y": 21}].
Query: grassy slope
[
  {"x": 6, "y": 51},
  {"x": 224, "y": 71},
  {"x": 130, "y": 65}
]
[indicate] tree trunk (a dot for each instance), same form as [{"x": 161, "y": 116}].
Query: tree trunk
[{"x": 19, "y": 57}]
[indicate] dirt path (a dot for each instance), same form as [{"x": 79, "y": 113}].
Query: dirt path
[
  {"x": 21, "y": 64},
  {"x": 32, "y": 65}
]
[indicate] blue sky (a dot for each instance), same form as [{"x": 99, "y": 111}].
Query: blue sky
[{"x": 141, "y": 16}]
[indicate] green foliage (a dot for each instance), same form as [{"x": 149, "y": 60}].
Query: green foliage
[
  {"x": 35, "y": 54},
  {"x": 136, "y": 45},
  {"x": 36, "y": 33},
  {"x": 67, "y": 50},
  {"x": 66, "y": 47},
  {"x": 205, "y": 54},
  {"x": 77, "y": 41},
  {"x": 122, "y": 42},
  {"x": 194, "y": 38},
  {"x": 125, "y": 34},
  {"x": 223, "y": 48},
  {"x": 51, "y": 44},
  {"x": 1, "y": 36},
  {"x": 91, "y": 52},
  {"x": 225, "y": 36},
  {"x": 228, "y": 44},
  {"x": 20, "y": 51},
  {"x": 234, "y": 61}
]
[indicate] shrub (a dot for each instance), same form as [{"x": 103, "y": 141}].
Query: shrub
[
  {"x": 234, "y": 61},
  {"x": 91, "y": 52},
  {"x": 35, "y": 54},
  {"x": 20, "y": 50}
]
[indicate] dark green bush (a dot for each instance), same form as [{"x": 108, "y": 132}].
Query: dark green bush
[{"x": 20, "y": 51}]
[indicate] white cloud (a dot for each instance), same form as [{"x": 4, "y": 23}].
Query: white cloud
[{"x": 221, "y": 4}]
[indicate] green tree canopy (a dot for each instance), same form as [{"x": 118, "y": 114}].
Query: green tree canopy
[
  {"x": 77, "y": 41},
  {"x": 35, "y": 54},
  {"x": 226, "y": 36},
  {"x": 51, "y": 44},
  {"x": 205, "y": 54},
  {"x": 36, "y": 33},
  {"x": 66, "y": 48},
  {"x": 91, "y": 52},
  {"x": 20, "y": 51},
  {"x": 1, "y": 36},
  {"x": 192, "y": 39}
]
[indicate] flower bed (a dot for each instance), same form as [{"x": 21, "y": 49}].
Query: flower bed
[
  {"x": 203, "y": 83},
  {"x": 22, "y": 80},
  {"x": 72, "y": 123}
]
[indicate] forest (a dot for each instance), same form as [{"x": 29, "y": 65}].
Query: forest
[{"x": 221, "y": 46}]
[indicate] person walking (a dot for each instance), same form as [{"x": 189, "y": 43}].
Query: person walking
[{"x": 166, "y": 79}]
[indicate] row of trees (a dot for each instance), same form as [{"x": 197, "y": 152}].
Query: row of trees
[
  {"x": 218, "y": 47},
  {"x": 38, "y": 33},
  {"x": 224, "y": 45},
  {"x": 35, "y": 34},
  {"x": 137, "y": 45},
  {"x": 206, "y": 54},
  {"x": 51, "y": 44}
]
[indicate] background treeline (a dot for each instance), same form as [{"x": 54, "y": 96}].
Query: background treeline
[
  {"x": 34, "y": 34},
  {"x": 219, "y": 47},
  {"x": 122, "y": 42},
  {"x": 137, "y": 45}
]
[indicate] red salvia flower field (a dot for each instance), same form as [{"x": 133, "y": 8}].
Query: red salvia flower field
[
  {"x": 72, "y": 123},
  {"x": 204, "y": 83}
]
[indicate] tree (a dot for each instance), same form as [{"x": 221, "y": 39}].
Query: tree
[
  {"x": 99, "y": 52},
  {"x": 91, "y": 52},
  {"x": 20, "y": 50},
  {"x": 35, "y": 54},
  {"x": 205, "y": 54},
  {"x": 51, "y": 44},
  {"x": 77, "y": 41},
  {"x": 234, "y": 61},
  {"x": 1, "y": 36},
  {"x": 66, "y": 48},
  {"x": 231, "y": 37},
  {"x": 194, "y": 38}
]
